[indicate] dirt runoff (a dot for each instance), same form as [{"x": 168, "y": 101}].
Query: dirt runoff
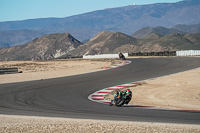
[
  {"x": 179, "y": 91},
  {"x": 37, "y": 70},
  {"x": 24, "y": 124}
]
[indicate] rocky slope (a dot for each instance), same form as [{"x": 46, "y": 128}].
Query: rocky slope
[
  {"x": 104, "y": 43},
  {"x": 44, "y": 48}
]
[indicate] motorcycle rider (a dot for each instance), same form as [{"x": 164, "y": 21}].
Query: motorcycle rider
[
  {"x": 128, "y": 95},
  {"x": 121, "y": 56},
  {"x": 117, "y": 95}
]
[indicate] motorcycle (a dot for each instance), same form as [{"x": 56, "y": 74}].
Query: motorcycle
[
  {"x": 120, "y": 100},
  {"x": 121, "y": 56}
]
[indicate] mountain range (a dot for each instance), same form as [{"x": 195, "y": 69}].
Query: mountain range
[
  {"x": 126, "y": 19},
  {"x": 181, "y": 29},
  {"x": 64, "y": 44}
]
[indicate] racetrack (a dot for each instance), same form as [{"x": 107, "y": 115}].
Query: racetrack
[{"x": 68, "y": 96}]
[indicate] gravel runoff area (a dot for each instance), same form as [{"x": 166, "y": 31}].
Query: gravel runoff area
[
  {"x": 25, "y": 124},
  {"x": 180, "y": 86},
  {"x": 38, "y": 70}
]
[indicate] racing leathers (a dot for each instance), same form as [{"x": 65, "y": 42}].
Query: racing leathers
[{"x": 128, "y": 95}]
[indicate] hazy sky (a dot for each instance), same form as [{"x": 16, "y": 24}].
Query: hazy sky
[{"x": 11, "y": 10}]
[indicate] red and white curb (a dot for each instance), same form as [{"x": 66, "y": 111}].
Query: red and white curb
[
  {"x": 98, "y": 96},
  {"x": 126, "y": 62}
]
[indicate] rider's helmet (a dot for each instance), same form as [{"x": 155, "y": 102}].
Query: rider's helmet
[{"x": 128, "y": 89}]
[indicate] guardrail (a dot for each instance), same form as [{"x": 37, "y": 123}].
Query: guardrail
[{"x": 8, "y": 70}]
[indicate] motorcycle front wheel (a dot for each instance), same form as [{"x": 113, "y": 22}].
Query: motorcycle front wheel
[
  {"x": 111, "y": 103},
  {"x": 120, "y": 102}
]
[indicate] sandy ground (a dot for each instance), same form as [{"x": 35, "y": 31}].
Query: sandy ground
[
  {"x": 37, "y": 70},
  {"x": 19, "y": 124},
  {"x": 180, "y": 91}
]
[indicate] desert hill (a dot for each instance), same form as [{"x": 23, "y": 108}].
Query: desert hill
[
  {"x": 104, "y": 43},
  {"x": 195, "y": 28},
  {"x": 171, "y": 42},
  {"x": 181, "y": 29},
  {"x": 152, "y": 36},
  {"x": 44, "y": 48},
  {"x": 158, "y": 30},
  {"x": 111, "y": 42}
]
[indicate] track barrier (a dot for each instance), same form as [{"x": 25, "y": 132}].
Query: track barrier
[
  {"x": 8, "y": 70},
  {"x": 104, "y": 56},
  {"x": 188, "y": 53},
  {"x": 164, "y": 53}
]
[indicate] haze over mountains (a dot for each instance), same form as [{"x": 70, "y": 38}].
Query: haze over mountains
[{"x": 84, "y": 26}]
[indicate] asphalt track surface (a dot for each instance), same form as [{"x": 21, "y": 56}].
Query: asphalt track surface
[{"x": 68, "y": 96}]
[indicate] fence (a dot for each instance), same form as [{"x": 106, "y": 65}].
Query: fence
[
  {"x": 188, "y": 53},
  {"x": 168, "y": 53},
  {"x": 8, "y": 70},
  {"x": 104, "y": 56},
  {"x": 69, "y": 57},
  {"x": 165, "y": 53}
]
